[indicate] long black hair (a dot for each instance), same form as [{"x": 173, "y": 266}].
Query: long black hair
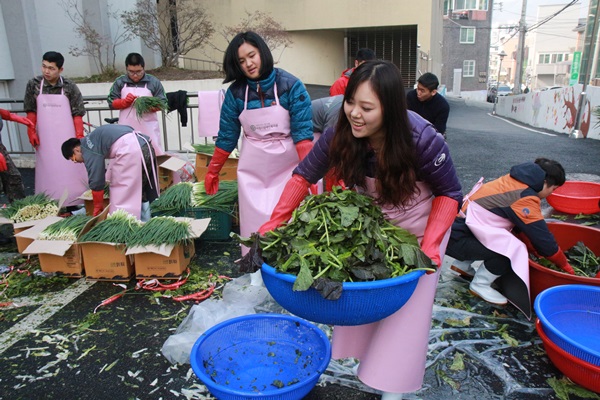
[
  {"x": 396, "y": 173},
  {"x": 231, "y": 60}
]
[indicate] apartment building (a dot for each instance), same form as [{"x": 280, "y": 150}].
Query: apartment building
[{"x": 466, "y": 44}]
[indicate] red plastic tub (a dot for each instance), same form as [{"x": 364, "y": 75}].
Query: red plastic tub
[
  {"x": 567, "y": 235},
  {"x": 576, "y": 369},
  {"x": 575, "y": 197}
]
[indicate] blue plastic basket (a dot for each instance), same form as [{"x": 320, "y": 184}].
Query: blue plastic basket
[
  {"x": 360, "y": 302},
  {"x": 261, "y": 356},
  {"x": 570, "y": 317}
]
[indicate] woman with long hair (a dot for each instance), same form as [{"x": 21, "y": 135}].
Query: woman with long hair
[{"x": 393, "y": 155}]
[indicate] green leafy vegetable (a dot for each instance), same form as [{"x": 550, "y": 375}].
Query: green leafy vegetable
[
  {"x": 65, "y": 229},
  {"x": 118, "y": 227},
  {"x": 29, "y": 208},
  {"x": 161, "y": 230},
  {"x": 144, "y": 104},
  {"x": 339, "y": 236}
]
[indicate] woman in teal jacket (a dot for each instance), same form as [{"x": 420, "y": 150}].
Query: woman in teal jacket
[{"x": 272, "y": 110}]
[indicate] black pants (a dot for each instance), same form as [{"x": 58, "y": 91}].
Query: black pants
[
  {"x": 11, "y": 179},
  {"x": 469, "y": 248}
]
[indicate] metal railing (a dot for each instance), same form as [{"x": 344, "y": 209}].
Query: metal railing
[{"x": 175, "y": 137}]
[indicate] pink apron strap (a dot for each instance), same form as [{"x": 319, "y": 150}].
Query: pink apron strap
[
  {"x": 62, "y": 88},
  {"x": 155, "y": 187},
  {"x": 467, "y": 198},
  {"x": 274, "y": 91}
]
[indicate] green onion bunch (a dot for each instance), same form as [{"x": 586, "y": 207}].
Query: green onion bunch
[
  {"x": 144, "y": 104},
  {"x": 204, "y": 148},
  {"x": 224, "y": 200},
  {"x": 65, "y": 229},
  {"x": 118, "y": 227},
  {"x": 173, "y": 200},
  {"x": 162, "y": 231},
  {"x": 30, "y": 208}
]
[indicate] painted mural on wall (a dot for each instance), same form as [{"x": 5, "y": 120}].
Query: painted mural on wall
[{"x": 555, "y": 110}]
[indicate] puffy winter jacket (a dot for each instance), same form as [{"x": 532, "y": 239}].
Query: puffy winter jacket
[
  {"x": 292, "y": 96},
  {"x": 435, "y": 165}
]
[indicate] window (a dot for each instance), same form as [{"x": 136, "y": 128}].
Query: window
[
  {"x": 467, "y": 35},
  {"x": 468, "y": 68},
  {"x": 547, "y": 58},
  {"x": 470, "y": 5}
]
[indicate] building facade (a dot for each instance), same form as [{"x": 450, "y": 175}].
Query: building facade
[{"x": 466, "y": 44}]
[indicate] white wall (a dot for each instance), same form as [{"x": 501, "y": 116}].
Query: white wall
[{"x": 554, "y": 110}]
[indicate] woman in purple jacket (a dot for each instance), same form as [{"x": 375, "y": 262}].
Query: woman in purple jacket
[{"x": 380, "y": 149}]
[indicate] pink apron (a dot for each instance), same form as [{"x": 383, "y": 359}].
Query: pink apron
[
  {"x": 148, "y": 125},
  {"x": 126, "y": 164},
  {"x": 494, "y": 233},
  {"x": 267, "y": 159},
  {"x": 393, "y": 351},
  {"x": 53, "y": 173}
]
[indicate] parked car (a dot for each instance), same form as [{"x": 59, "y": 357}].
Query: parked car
[{"x": 493, "y": 92}]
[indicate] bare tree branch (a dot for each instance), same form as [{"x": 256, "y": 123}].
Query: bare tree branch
[{"x": 172, "y": 28}]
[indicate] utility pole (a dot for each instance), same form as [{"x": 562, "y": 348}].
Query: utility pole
[
  {"x": 520, "y": 50},
  {"x": 576, "y": 133}
]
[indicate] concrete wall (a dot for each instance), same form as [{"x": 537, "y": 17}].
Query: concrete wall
[{"x": 554, "y": 110}]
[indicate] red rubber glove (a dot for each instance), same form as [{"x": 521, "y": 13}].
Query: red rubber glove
[
  {"x": 560, "y": 260},
  {"x": 33, "y": 137},
  {"x": 211, "y": 180},
  {"x": 332, "y": 180},
  {"x": 78, "y": 122},
  {"x": 3, "y": 166},
  {"x": 98, "y": 198},
  {"x": 294, "y": 192},
  {"x": 8, "y": 116},
  {"x": 304, "y": 147},
  {"x": 443, "y": 212},
  {"x": 120, "y": 104}
]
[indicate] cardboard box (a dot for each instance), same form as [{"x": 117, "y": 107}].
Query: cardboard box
[
  {"x": 167, "y": 261},
  {"x": 106, "y": 261},
  {"x": 25, "y": 236},
  {"x": 157, "y": 266},
  {"x": 23, "y": 241},
  {"x": 70, "y": 263},
  {"x": 59, "y": 256},
  {"x": 167, "y": 166},
  {"x": 227, "y": 173}
]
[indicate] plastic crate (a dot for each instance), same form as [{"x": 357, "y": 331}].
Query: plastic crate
[{"x": 220, "y": 224}]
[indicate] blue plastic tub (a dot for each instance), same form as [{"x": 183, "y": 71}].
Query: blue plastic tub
[
  {"x": 360, "y": 302},
  {"x": 570, "y": 317},
  {"x": 261, "y": 356}
]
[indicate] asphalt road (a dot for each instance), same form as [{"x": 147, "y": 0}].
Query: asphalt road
[{"x": 53, "y": 345}]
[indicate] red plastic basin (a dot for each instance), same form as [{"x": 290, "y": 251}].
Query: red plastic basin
[
  {"x": 567, "y": 235},
  {"x": 576, "y": 369},
  {"x": 575, "y": 197}
]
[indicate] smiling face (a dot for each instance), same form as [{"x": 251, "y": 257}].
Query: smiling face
[
  {"x": 250, "y": 62},
  {"x": 365, "y": 114}
]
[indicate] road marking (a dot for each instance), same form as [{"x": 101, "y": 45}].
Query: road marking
[
  {"x": 51, "y": 305},
  {"x": 521, "y": 126}
]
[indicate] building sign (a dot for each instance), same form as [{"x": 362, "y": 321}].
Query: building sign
[{"x": 575, "y": 65}]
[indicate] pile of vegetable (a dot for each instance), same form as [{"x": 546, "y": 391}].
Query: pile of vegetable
[
  {"x": 174, "y": 199},
  {"x": 161, "y": 231},
  {"x": 65, "y": 229},
  {"x": 30, "y": 208},
  {"x": 145, "y": 104},
  {"x": 224, "y": 200},
  {"x": 118, "y": 227},
  {"x": 210, "y": 149},
  {"x": 336, "y": 237},
  {"x": 583, "y": 260},
  {"x": 185, "y": 195}
]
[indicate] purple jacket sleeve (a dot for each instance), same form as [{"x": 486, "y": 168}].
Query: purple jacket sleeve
[
  {"x": 314, "y": 166},
  {"x": 435, "y": 164}
]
